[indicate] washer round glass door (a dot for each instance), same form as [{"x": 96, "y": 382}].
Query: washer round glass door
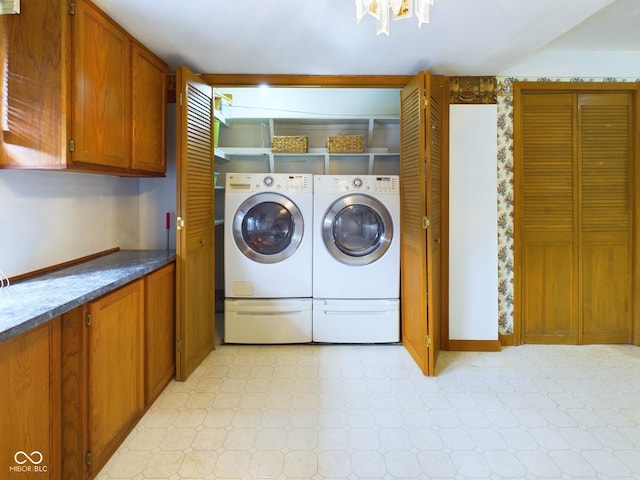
[
  {"x": 357, "y": 229},
  {"x": 268, "y": 228}
]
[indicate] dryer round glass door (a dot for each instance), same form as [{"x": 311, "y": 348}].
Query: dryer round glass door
[
  {"x": 268, "y": 228},
  {"x": 357, "y": 229}
]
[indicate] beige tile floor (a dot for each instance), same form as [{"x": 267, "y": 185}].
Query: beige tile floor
[{"x": 366, "y": 412}]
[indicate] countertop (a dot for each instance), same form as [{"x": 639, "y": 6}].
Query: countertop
[{"x": 32, "y": 302}]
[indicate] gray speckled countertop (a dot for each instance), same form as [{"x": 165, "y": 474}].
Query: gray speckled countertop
[{"x": 30, "y": 303}]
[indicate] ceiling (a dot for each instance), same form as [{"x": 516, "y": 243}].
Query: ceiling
[{"x": 321, "y": 37}]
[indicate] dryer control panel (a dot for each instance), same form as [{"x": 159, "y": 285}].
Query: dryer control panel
[{"x": 380, "y": 184}]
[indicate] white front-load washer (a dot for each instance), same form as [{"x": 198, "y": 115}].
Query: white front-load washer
[
  {"x": 268, "y": 257},
  {"x": 356, "y": 258}
]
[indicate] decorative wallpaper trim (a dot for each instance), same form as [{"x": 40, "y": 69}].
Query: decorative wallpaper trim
[{"x": 504, "y": 99}]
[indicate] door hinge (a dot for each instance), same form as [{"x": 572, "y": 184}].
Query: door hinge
[
  {"x": 426, "y": 102},
  {"x": 180, "y": 99},
  {"x": 427, "y": 341},
  {"x": 72, "y": 8},
  {"x": 72, "y": 145},
  {"x": 179, "y": 345},
  {"x": 179, "y": 223},
  {"x": 88, "y": 319},
  {"x": 425, "y": 223},
  {"x": 87, "y": 458}
]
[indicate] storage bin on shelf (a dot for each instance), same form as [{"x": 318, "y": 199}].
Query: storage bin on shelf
[
  {"x": 345, "y": 144},
  {"x": 289, "y": 144}
]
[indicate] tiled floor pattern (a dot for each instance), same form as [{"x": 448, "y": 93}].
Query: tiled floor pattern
[{"x": 366, "y": 412}]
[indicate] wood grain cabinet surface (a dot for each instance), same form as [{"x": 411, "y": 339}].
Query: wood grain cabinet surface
[
  {"x": 30, "y": 399},
  {"x": 81, "y": 94},
  {"x": 115, "y": 347},
  {"x": 118, "y": 354},
  {"x": 159, "y": 331}
]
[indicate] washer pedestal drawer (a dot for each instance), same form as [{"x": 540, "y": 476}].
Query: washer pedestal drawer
[{"x": 268, "y": 321}]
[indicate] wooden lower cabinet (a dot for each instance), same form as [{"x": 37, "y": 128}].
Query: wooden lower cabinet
[
  {"x": 107, "y": 379},
  {"x": 30, "y": 400},
  {"x": 159, "y": 331},
  {"x": 115, "y": 361}
]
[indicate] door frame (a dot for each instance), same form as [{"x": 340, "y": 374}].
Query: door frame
[
  {"x": 520, "y": 88},
  {"x": 361, "y": 81}
]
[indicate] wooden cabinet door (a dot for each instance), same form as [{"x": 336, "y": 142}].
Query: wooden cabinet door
[
  {"x": 30, "y": 400},
  {"x": 195, "y": 249},
  {"x": 101, "y": 89},
  {"x": 159, "y": 331},
  {"x": 115, "y": 389},
  {"x": 149, "y": 86},
  {"x": 34, "y": 86},
  {"x": 421, "y": 112}
]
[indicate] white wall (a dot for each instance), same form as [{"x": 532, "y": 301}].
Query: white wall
[
  {"x": 158, "y": 196},
  {"x": 473, "y": 250},
  {"x": 557, "y": 63},
  {"x": 48, "y": 217},
  {"x": 308, "y": 102}
]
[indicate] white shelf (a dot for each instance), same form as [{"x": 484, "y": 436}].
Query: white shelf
[
  {"x": 229, "y": 152},
  {"x": 380, "y": 132}
]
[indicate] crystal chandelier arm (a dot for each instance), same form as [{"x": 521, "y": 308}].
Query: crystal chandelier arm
[
  {"x": 422, "y": 11},
  {"x": 382, "y": 10},
  {"x": 383, "y": 18}
]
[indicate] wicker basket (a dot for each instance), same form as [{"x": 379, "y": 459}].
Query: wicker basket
[
  {"x": 289, "y": 144},
  {"x": 345, "y": 144}
]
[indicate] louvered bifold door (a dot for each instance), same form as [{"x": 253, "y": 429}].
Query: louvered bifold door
[
  {"x": 421, "y": 140},
  {"x": 546, "y": 221},
  {"x": 574, "y": 217},
  {"x": 195, "y": 236},
  {"x": 435, "y": 135},
  {"x": 413, "y": 238},
  {"x": 605, "y": 152}
]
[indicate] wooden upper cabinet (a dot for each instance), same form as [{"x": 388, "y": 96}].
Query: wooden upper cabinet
[
  {"x": 149, "y": 86},
  {"x": 81, "y": 94},
  {"x": 101, "y": 90}
]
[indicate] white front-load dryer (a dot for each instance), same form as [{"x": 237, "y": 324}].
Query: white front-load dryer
[
  {"x": 356, "y": 258},
  {"x": 268, "y": 257}
]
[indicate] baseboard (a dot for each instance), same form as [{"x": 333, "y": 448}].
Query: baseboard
[
  {"x": 474, "y": 345},
  {"x": 506, "y": 340}
]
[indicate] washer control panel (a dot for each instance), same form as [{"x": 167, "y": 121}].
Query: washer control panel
[{"x": 252, "y": 182}]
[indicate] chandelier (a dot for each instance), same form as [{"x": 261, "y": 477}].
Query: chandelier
[{"x": 383, "y": 10}]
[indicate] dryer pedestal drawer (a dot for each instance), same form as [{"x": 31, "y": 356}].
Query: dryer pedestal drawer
[
  {"x": 267, "y": 321},
  {"x": 356, "y": 321}
]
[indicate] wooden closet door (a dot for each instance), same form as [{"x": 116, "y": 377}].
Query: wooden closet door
[
  {"x": 574, "y": 217},
  {"x": 605, "y": 170},
  {"x": 546, "y": 219}
]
